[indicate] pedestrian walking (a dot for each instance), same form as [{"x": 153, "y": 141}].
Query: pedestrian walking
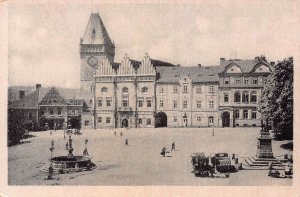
[
  {"x": 121, "y": 134},
  {"x": 126, "y": 142},
  {"x": 115, "y": 133},
  {"x": 173, "y": 146},
  {"x": 163, "y": 151}
]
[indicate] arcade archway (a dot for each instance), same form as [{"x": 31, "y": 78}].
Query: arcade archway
[{"x": 161, "y": 119}]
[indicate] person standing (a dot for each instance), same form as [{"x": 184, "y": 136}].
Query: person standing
[
  {"x": 173, "y": 146},
  {"x": 126, "y": 142}
]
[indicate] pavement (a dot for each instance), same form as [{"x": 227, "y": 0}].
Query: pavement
[{"x": 140, "y": 163}]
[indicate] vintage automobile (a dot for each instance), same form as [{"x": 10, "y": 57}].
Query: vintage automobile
[{"x": 218, "y": 163}]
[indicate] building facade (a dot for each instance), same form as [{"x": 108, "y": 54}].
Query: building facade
[
  {"x": 147, "y": 93},
  {"x": 153, "y": 93}
]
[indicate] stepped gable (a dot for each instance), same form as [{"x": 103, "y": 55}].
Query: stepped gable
[
  {"x": 106, "y": 68},
  {"x": 146, "y": 66},
  {"x": 53, "y": 98},
  {"x": 196, "y": 74},
  {"x": 127, "y": 66}
]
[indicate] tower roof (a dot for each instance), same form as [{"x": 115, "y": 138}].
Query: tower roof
[{"x": 95, "y": 32}]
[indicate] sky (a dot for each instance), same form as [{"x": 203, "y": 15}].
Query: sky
[{"x": 43, "y": 39}]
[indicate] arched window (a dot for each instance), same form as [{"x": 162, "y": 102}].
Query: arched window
[
  {"x": 253, "y": 97},
  {"x": 125, "y": 90},
  {"x": 104, "y": 90},
  {"x": 237, "y": 97},
  {"x": 144, "y": 90},
  {"x": 245, "y": 97}
]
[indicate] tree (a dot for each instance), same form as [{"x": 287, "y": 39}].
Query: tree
[{"x": 277, "y": 98}]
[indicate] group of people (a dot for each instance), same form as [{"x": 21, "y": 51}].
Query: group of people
[{"x": 164, "y": 150}]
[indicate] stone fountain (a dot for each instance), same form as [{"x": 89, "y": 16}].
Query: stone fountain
[{"x": 70, "y": 163}]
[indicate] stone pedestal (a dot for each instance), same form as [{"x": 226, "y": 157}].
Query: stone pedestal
[{"x": 264, "y": 146}]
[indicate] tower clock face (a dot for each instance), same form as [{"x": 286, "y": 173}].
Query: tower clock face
[{"x": 93, "y": 62}]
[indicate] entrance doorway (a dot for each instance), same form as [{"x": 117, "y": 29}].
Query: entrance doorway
[
  {"x": 184, "y": 120},
  {"x": 226, "y": 119},
  {"x": 161, "y": 119},
  {"x": 124, "y": 123}
]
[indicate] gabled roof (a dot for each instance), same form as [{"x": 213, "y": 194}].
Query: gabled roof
[
  {"x": 34, "y": 97},
  {"x": 28, "y": 102},
  {"x": 245, "y": 65},
  {"x": 158, "y": 63},
  {"x": 95, "y": 32},
  {"x": 196, "y": 74},
  {"x": 53, "y": 98}
]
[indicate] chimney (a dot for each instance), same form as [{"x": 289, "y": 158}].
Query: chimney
[
  {"x": 38, "y": 86},
  {"x": 21, "y": 94},
  {"x": 257, "y": 58},
  {"x": 272, "y": 63},
  {"x": 222, "y": 59},
  {"x": 199, "y": 65}
]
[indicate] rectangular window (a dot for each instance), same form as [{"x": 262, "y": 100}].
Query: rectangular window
[
  {"x": 211, "y": 104},
  {"x": 149, "y": 103},
  {"x": 199, "y": 104},
  {"x": 226, "y": 98},
  {"x": 107, "y": 120},
  {"x": 59, "y": 111},
  {"x": 253, "y": 115},
  {"x": 198, "y": 119},
  {"x": 211, "y": 89},
  {"x": 237, "y": 114},
  {"x": 238, "y": 81},
  {"x": 254, "y": 81},
  {"x": 175, "y": 119},
  {"x": 100, "y": 103},
  {"x": 99, "y": 119},
  {"x": 125, "y": 103},
  {"x": 161, "y": 103},
  {"x": 51, "y": 111},
  {"x": 175, "y": 104},
  {"x": 30, "y": 116},
  {"x": 185, "y": 89},
  {"x": 108, "y": 103},
  {"x": 140, "y": 103},
  {"x": 175, "y": 89},
  {"x": 185, "y": 104},
  {"x": 245, "y": 114},
  {"x": 246, "y": 81},
  {"x": 86, "y": 123},
  {"x": 198, "y": 89},
  {"x": 226, "y": 81},
  {"x": 148, "y": 122},
  {"x": 161, "y": 89}
]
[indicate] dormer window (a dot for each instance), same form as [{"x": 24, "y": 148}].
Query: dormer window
[{"x": 93, "y": 33}]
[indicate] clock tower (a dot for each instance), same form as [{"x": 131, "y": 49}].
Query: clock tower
[{"x": 94, "y": 46}]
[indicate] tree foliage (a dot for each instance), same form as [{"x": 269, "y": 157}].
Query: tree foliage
[{"x": 277, "y": 98}]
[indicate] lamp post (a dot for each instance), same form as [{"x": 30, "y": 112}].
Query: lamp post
[
  {"x": 51, "y": 148},
  {"x": 85, "y": 152}
]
